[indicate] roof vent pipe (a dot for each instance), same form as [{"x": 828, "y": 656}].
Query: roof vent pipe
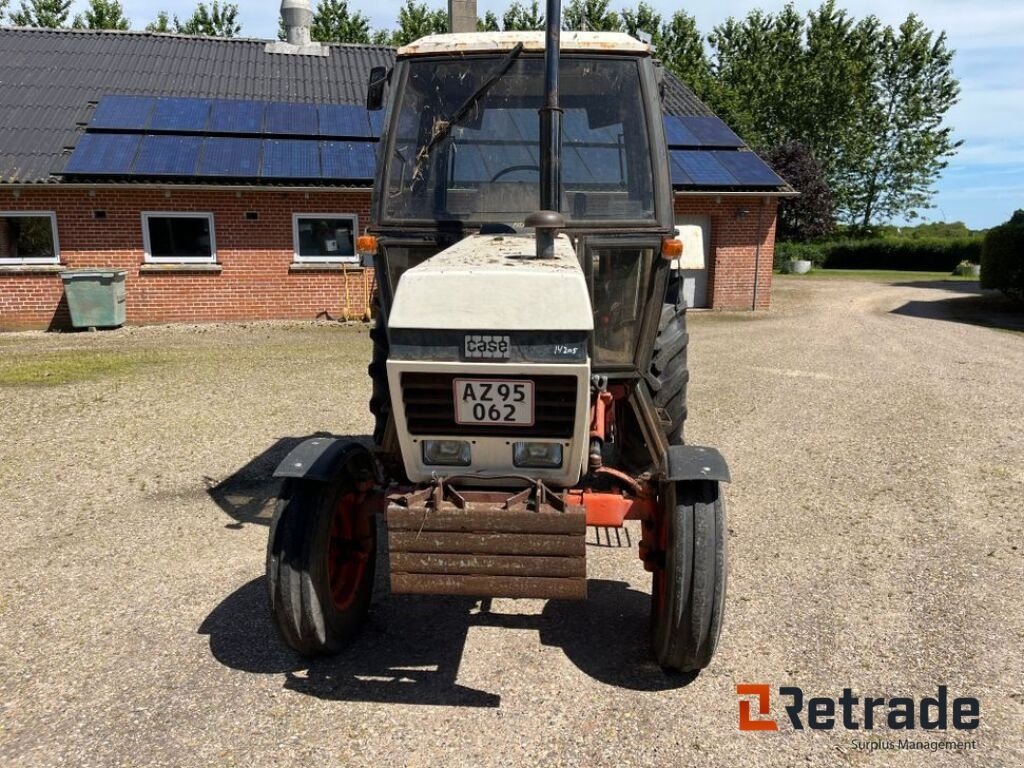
[{"x": 297, "y": 16}]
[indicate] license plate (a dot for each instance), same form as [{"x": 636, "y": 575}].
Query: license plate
[
  {"x": 501, "y": 402},
  {"x": 487, "y": 346}
]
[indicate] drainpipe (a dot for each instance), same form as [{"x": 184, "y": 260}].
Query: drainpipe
[{"x": 757, "y": 252}]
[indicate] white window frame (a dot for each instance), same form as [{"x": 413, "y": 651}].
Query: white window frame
[
  {"x": 52, "y": 216},
  {"x": 300, "y": 259},
  {"x": 151, "y": 259}
]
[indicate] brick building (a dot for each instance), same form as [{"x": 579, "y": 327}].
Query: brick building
[{"x": 129, "y": 150}]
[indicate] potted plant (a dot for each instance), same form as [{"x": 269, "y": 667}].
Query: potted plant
[{"x": 967, "y": 269}]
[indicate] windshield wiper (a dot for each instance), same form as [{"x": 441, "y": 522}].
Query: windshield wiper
[{"x": 444, "y": 127}]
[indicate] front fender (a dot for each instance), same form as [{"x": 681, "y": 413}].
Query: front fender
[
  {"x": 319, "y": 458},
  {"x": 695, "y": 462}
]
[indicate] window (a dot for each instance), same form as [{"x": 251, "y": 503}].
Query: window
[
  {"x": 185, "y": 238},
  {"x": 325, "y": 236},
  {"x": 28, "y": 237},
  {"x": 486, "y": 166}
]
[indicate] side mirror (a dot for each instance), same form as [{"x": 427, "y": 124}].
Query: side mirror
[{"x": 379, "y": 77}]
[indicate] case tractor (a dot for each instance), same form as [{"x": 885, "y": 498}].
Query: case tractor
[{"x": 529, "y": 364}]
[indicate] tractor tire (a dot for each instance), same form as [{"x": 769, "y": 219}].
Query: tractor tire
[
  {"x": 666, "y": 382},
  {"x": 380, "y": 397},
  {"x": 688, "y": 593},
  {"x": 321, "y": 557}
]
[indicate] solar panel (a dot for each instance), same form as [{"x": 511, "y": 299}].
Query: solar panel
[
  {"x": 348, "y": 159},
  {"x": 710, "y": 131},
  {"x": 227, "y": 156},
  {"x": 344, "y": 120},
  {"x": 290, "y": 159},
  {"x": 180, "y": 115},
  {"x": 468, "y": 164},
  {"x": 103, "y": 153},
  {"x": 167, "y": 156},
  {"x": 677, "y": 134},
  {"x": 236, "y": 116},
  {"x": 123, "y": 112},
  {"x": 679, "y": 174},
  {"x": 703, "y": 169},
  {"x": 376, "y": 122},
  {"x": 285, "y": 118},
  {"x": 592, "y": 165},
  {"x": 749, "y": 169}
]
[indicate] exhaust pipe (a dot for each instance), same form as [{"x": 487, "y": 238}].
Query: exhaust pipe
[{"x": 547, "y": 221}]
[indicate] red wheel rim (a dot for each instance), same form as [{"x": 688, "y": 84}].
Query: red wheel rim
[{"x": 348, "y": 551}]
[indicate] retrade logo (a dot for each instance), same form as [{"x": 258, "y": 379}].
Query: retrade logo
[
  {"x": 850, "y": 712},
  {"x": 763, "y": 693}
]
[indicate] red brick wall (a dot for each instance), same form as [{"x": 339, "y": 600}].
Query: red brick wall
[
  {"x": 737, "y": 223},
  {"x": 255, "y": 282}
]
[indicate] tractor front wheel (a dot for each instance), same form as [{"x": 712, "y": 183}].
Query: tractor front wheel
[
  {"x": 688, "y": 593},
  {"x": 320, "y": 559}
]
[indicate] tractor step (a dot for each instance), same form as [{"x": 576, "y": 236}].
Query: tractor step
[{"x": 487, "y": 544}]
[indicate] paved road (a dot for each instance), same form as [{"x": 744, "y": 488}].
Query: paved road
[{"x": 875, "y": 534}]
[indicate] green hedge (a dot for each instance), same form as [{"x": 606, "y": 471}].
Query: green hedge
[
  {"x": 1002, "y": 257},
  {"x": 883, "y": 253}
]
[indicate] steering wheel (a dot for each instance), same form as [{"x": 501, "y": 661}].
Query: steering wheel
[{"x": 513, "y": 169}]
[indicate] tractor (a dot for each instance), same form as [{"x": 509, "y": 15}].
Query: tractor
[{"x": 529, "y": 366}]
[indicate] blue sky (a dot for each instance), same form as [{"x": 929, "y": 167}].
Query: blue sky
[{"x": 983, "y": 185}]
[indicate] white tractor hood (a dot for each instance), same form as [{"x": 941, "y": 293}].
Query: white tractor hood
[{"x": 494, "y": 282}]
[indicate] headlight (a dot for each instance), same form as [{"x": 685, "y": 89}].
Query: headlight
[
  {"x": 537, "y": 455},
  {"x": 449, "y": 453}
]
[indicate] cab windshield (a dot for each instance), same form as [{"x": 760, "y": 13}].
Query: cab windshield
[{"x": 486, "y": 168}]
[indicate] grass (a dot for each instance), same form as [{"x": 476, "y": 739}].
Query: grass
[
  {"x": 69, "y": 366},
  {"x": 884, "y": 275}
]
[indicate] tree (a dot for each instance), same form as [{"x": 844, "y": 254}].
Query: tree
[
  {"x": 416, "y": 20},
  {"x": 102, "y": 14},
  {"x": 49, "y": 14},
  {"x": 591, "y": 15},
  {"x": 867, "y": 100},
  {"x": 211, "y": 21},
  {"x": 519, "y": 18},
  {"x": 3, "y": 7},
  {"x": 162, "y": 23},
  {"x": 642, "y": 20},
  {"x": 758, "y": 74},
  {"x": 680, "y": 47},
  {"x": 333, "y": 23},
  {"x": 812, "y": 214},
  {"x": 489, "y": 23},
  {"x": 909, "y": 145}
]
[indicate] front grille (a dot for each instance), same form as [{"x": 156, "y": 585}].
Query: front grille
[{"x": 430, "y": 406}]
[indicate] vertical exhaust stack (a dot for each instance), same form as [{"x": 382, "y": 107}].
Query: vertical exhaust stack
[
  {"x": 462, "y": 15},
  {"x": 548, "y": 220}
]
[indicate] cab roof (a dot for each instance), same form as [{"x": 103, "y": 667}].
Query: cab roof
[{"x": 484, "y": 42}]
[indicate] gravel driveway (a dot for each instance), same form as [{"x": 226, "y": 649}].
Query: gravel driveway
[{"x": 875, "y": 534}]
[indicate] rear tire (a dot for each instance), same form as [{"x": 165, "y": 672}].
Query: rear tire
[
  {"x": 666, "y": 381},
  {"x": 688, "y": 593},
  {"x": 321, "y": 556}
]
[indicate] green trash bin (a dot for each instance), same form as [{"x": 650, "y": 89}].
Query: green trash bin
[{"x": 95, "y": 297}]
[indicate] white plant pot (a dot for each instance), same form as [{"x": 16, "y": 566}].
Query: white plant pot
[{"x": 796, "y": 266}]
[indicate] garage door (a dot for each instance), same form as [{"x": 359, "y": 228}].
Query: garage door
[{"x": 695, "y": 232}]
